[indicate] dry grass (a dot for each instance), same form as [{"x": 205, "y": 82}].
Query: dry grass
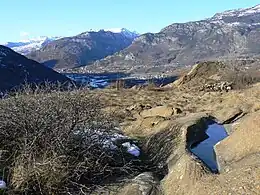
[
  {"x": 158, "y": 147},
  {"x": 52, "y": 142}
]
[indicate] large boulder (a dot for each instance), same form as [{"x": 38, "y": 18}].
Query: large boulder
[
  {"x": 244, "y": 141},
  {"x": 144, "y": 184},
  {"x": 228, "y": 115},
  {"x": 184, "y": 168}
]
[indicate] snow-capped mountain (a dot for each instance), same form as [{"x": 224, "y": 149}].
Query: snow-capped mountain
[
  {"x": 26, "y": 46},
  {"x": 124, "y": 31},
  {"x": 238, "y": 12},
  {"x": 239, "y": 17},
  {"x": 85, "y": 48},
  {"x": 231, "y": 34}
]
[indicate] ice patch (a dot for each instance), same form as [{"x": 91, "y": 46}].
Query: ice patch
[
  {"x": 111, "y": 142},
  {"x": 2, "y": 184},
  {"x": 132, "y": 149}
]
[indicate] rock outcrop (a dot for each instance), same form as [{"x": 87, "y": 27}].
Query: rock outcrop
[
  {"x": 238, "y": 154},
  {"x": 243, "y": 142},
  {"x": 143, "y": 184},
  {"x": 215, "y": 76},
  {"x": 222, "y": 86}
]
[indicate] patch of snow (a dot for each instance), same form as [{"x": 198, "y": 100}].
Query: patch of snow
[
  {"x": 108, "y": 141},
  {"x": 130, "y": 56},
  {"x": 123, "y": 31},
  {"x": 132, "y": 149},
  {"x": 2, "y": 184},
  {"x": 238, "y": 12},
  {"x": 114, "y": 30},
  {"x": 237, "y": 24},
  {"x": 202, "y": 30},
  {"x": 2, "y": 53},
  {"x": 217, "y": 22},
  {"x": 26, "y": 46}
]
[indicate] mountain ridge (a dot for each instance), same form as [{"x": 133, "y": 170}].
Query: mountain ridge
[
  {"x": 82, "y": 49},
  {"x": 16, "y": 69},
  {"x": 223, "y": 36}
]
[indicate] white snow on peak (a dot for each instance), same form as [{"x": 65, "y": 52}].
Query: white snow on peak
[
  {"x": 257, "y": 7},
  {"x": 26, "y": 46},
  {"x": 39, "y": 39},
  {"x": 115, "y": 30},
  {"x": 124, "y": 31},
  {"x": 238, "y": 12},
  {"x": 119, "y": 30}
]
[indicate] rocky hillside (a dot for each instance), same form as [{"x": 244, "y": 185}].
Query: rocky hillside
[
  {"x": 155, "y": 114},
  {"x": 16, "y": 69},
  {"x": 228, "y": 35},
  {"x": 183, "y": 112},
  {"x": 83, "y": 49},
  {"x": 220, "y": 76}
]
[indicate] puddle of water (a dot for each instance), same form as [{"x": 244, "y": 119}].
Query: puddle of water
[{"x": 205, "y": 149}]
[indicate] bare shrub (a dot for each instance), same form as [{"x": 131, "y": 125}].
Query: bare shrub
[
  {"x": 158, "y": 148},
  {"x": 54, "y": 142}
]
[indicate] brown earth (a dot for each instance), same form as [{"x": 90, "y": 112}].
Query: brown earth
[
  {"x": 183, "y": 111},
  {"x": 187, "y": 175}
]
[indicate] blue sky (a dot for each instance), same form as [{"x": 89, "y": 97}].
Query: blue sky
[{"x": 22, "y": 19}]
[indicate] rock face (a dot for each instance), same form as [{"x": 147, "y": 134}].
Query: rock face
[
  {"x": 16, "y": 69},
  {"x": 243, "y": 142},
  {"x": 143, "y": 184},
  {"x": 228, "y": 115},
  {"x": 222, "y": 86},
  {"x": 82, "y": 49},
  {"x": 218, "y": 76},
  {"x": 229, "y": 35}
]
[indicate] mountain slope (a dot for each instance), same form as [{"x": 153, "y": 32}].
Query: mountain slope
[
  {"x": 231, "y": 34},
  {"x": 82, "y": 49},
  {"x": 27, "y": 46},
  {"x": 15, "y": 69}
]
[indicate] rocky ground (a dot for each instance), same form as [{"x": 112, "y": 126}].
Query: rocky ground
[{"x": 183, "y": 110}]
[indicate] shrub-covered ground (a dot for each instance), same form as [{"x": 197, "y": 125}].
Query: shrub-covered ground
[{"x": 55, "y": 142}]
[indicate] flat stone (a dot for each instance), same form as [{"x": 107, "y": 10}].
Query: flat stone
[
  {"x": 244, "y": 141},
  {"x": 163, "y": 111},
  {"x": 227, "y": 115}
]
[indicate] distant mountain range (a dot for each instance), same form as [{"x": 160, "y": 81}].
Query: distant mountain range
[
  {"x": 26, "y": 46},
  {"x": 83, "y": 49},
  {"x": 229, "y": 35},
  {"x": 233, "y": 34},
  {"x": 15, "y": 70}
]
